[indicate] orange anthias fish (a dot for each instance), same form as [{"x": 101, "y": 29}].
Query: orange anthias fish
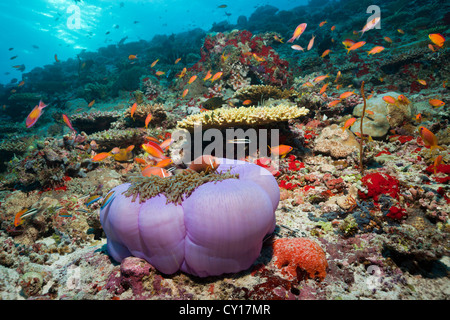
[
  {"x": 437, "y": 38},
  {"x": 192, "y": 79},
  {"x": 67, "y": 121},
  {"x": 281, "y": 150},
  {"x": 35, "y": 114},
  {"x": 348, "y": 124},
  {"x": 419, "y": 117},
  {"x": 320, "y": 78},
  {"x": 333, "y": 28},
  {"x": 185, "y": 92},
  {"x": 101, "y": 156},
  {"x": 208, "y": 75},
  {"x": 56, "y": 58},
  {"x": 311, "y": 43},
  {"x": 178, "y": 60},
  {"x": 346, "y": 94},
  {"x": 403, "y": 100},
  {"x": 374, "y": 50},
  {"x": 21, "y": 83},
  {"x": 334, "y": 102},
  {"x": 429, "y": 138},
  {"x": 160, "y": 73},
  {"x": 182, "y": 73},
  {"x": 153, "y": 149},
  {"x": 132, "y": 57},
  {"x": 390, "y": 100},
  {"x": 91, "y": 103},
  {"x": 387, "y": 39},
  {"x": 164, "y": 163},
  {"x": 260, "y": 59},
  {"x": 338, "y": 76},
  {"x": 325, "y": 53},
  {"x": 140, "y": 161},
  {"x": 154, "y": 63},
  {"x": 18, "y": 217},
  {"x": 437, "y": 162},
  {"x": 356, "y": 46},
  {"x": 246, "y": 102},
  {"x": 324, "y": 88},
  {"x": 322, "y": 23},
  {"x": 298, "y": 32},
  {"x": 148, "y": 119},
  {"x": 348, "y": 43},
  {"x": 216, "y": 76},
  {"x": 277, "y": 38},
  {"x": 436, "y": 103},
  {"x": 133, "y": 109},
  {"x": 422, "y": 82},
  {"x": 401, "y": 31}
]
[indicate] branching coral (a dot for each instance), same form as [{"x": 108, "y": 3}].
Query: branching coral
[{"x": 251, "y": 116}]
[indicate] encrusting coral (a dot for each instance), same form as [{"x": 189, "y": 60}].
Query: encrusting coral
[{"x": 246, "y": 116}]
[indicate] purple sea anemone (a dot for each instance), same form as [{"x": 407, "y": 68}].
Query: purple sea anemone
[{"x": 218, "y": 228}]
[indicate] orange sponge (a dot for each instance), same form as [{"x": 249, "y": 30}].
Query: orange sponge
[{"x": 300, "y": 254}]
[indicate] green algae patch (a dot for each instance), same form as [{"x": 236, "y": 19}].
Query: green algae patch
[{"x": 175, "y": 188}]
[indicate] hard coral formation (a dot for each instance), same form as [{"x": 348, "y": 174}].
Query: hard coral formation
[
  {"x": 336, "y": 142},
  {"x": 243, "y": 116},
  {"x": 259, "y": 93}
]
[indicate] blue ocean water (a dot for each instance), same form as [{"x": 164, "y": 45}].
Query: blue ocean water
[{"x": 39, "y": 29}]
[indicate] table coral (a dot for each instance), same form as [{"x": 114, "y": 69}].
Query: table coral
[
  {"x": 250, "y": 116},
  {"x": 300, "y": 254}
]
